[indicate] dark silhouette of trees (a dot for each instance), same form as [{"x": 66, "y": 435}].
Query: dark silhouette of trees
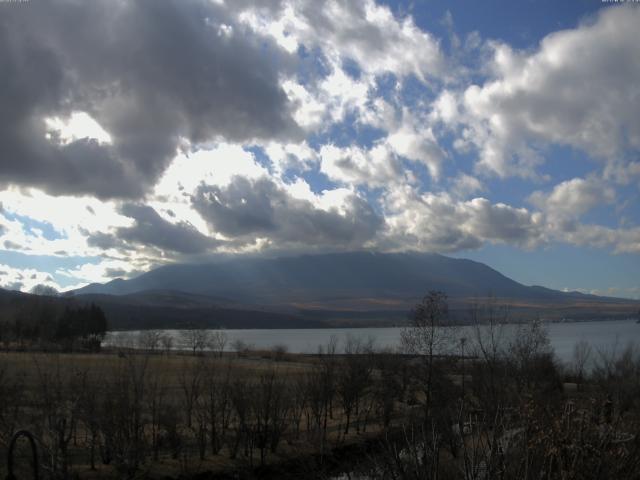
[
  {"x": 47, "y": 323},
  {"x": 87, "y": 324}
]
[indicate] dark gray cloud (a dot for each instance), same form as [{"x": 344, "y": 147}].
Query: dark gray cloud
[
  {"x": 115, "y": 272},
  {"x": 252, "y": 209},
  {"x": 14, "y": 286},
  {"x": 151, "y": 229},
  {"x": 9, "y": 245},
  {"x": 149, "y": 72},
  {"x": 504, "y": 223},
  {"x": 103, "y": 240}
]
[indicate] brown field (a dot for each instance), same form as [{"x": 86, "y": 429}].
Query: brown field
[{"x": 64, "y": 379}]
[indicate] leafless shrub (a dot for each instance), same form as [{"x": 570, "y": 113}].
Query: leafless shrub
[
  {"x": 241, "y": 347},
  {"x": 279, "y": 352},
  {"x": 149, "y": 340},
  {"x": 581, "y": 355},
  {"x": 218, "y": 341},
  {"x": 197, "y": 340},
  {"x": 166, "y": 341}
]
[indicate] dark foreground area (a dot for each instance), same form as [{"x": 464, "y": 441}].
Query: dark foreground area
[{"x": 490, "y": 409}]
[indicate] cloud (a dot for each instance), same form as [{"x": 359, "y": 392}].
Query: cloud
[
  {"x": 579, "y": 89},
  {"x": 362, "y": 31},
  {"x": 212, "y": 166},
  {"x": 568, "y": 201},
  {"x": 146, "y": 132},
  {"x": 623, "y": 173},
  {"x": 620, "y": 292},
  {"x": 346, "y": 49},
  {"x": 415, "y": 141},
  {"x": 24, "y": 279},
  {"x": 150, "y": 228},
  {"x": 622, "y": 240},
  {"x": 464, "y": 185},
  {"x": 261, "y": 209},
  {"x": 330, "y": 100},
  {"x": 573, "y": 198},
  {"x": 104, "y": 241},
  {"x": 352, "y": 165},
  {"x": 299, "y": 157},
  {"x": 504, "y": 223},
  {"x": 149, "y": 74},
  {"x": 38, "y": 223},
  {"x": 102, "y": 271},
  {"x": 440, "y": 223}
]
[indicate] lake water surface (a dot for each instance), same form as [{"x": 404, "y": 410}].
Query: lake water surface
[{"x": 602, "y": 335}]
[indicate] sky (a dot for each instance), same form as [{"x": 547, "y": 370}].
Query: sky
[{"x": 136, "y": 134}]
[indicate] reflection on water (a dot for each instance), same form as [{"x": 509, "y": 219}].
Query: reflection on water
[{"x": 602, "y": 335}]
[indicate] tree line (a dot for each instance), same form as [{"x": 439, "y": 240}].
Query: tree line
[{"x": 47, "y": 322}]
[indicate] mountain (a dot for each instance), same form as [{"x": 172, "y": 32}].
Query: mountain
[
  {"x": 312, "y": 277},
  {"x": 353, "y": 287}
]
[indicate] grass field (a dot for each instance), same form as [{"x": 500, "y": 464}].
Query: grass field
[{"x": 69, "y": 399}]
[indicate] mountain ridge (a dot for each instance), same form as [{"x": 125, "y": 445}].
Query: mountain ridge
[{"x": 316, "y": 278}]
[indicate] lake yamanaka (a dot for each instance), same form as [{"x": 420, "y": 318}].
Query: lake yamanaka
[{"x": 601, "y": 335}]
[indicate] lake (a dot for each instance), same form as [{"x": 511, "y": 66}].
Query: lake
[{"x": 602, "y": 335}]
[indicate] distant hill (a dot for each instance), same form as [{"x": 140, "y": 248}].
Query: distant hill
[
  {"x": 342, "y": 288},
  {"x": 177, "y": 310}
]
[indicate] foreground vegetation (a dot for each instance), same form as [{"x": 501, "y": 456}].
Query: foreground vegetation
[{"x": 445, "y": 407}]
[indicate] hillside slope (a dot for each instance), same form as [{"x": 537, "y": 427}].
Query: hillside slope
[{"x": 354, "y": 287}]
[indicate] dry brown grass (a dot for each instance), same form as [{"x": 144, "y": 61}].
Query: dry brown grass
[
  {"x": 30, "y": 367},
  {"x": 28, "y": 364}
]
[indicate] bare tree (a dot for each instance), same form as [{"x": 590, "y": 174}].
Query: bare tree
[
  {"x": 581, "y": 354},
  {"x": 191, "y": 380},
  {"x": 218, "y": 341},
  {"x": 388, "y": 386},
  {"x": 156, "y": 400},
  {"x": 149, "y": 340},
  {"x": 89, "y": 414},
  {"x": 218, "y": 405},
  {"x": 197, "y": 339},
  {"x": 241, "y": 432},
  {"x": 299, "y": 401},
  {"x": 269, "y": 410},
  {"x": 531, "y": 359},
  {"x": 354, "y": 378},
  {"x": 59, "y": 398},
  {"x": 428, "y": 336},
  {"x": 489, "y": 343},
  {"x": 167, "y": 343}
]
